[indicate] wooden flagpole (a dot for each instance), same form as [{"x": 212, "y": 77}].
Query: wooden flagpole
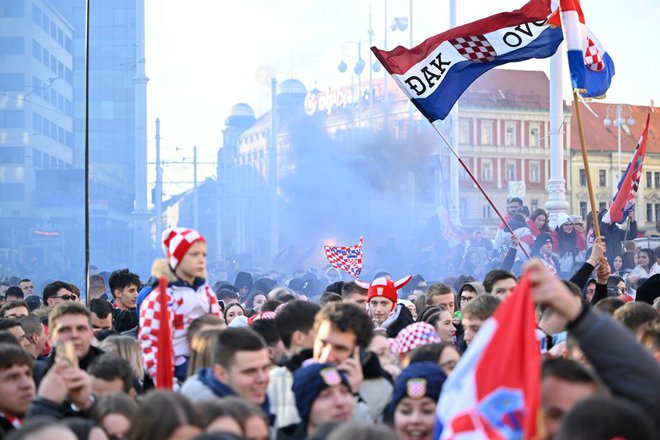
[
  {"x": 585, "y": 160},
  {"x": 476, "y": 182}
]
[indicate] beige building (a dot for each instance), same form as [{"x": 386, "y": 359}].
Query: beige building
[{"x": 603, "y": 152}]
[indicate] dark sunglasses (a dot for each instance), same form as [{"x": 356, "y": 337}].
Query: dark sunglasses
[{"x": 67, "y": 297}]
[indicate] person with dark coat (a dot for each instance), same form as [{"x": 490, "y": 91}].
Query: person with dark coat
[
  {"x": 615, "y": 236},
  {"x": 624, "y": 365}
]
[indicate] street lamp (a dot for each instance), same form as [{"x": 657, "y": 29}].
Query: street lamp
[{"x": 622, "y": 119}]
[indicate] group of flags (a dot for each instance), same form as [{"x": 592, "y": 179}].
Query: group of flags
[{"x": 495, "y": 390}]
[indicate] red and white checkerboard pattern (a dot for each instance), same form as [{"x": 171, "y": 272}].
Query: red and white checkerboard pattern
[
  {"x": 346, "y": 258},
  {"x": 413, "y": 336},
  {"x": 177, "y": 241},
  {"x": 592, "y": 57},
  {"x": 185, "y": 305},
  {"x": 475, "y": 48}
]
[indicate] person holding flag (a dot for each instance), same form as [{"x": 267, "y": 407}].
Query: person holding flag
[{"x": 625, "y": 197}]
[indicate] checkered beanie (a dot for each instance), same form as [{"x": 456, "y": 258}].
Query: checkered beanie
[
  {"x": 309, "y": 381},
  {"x": 421, "y": 379},
  {"x": 413, "y": 336},
  {"x": 177, "y": 241},
  {"x": 384, "y": 288}
]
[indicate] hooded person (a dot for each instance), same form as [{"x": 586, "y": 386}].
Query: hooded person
[
  {"x": 382, "y": 298},
  {"x": 244, "y": 284},
  {"x": 189, "y": 297},
  {"x": 323, "y": 394}
]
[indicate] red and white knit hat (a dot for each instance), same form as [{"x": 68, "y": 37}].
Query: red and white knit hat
[
  {"x": 413, "y": 336},
  {"x": 177, "y": 241},
  {"x": 384, "y": 288}
]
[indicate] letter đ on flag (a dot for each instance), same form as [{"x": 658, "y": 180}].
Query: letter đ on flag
[
  {"x": 435, "y": 73},
  {"x": 590, "y": 65},
  {"x": 494, "y": 391},
  {"x": 346, "y": 258},
  {"x": 624, "y": 199}
]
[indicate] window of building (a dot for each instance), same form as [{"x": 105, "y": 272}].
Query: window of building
[
  {"x": 36, "y": 158},
  {"x": 462, "y": 208},
  {"x": 534, "y": 171},
  {"x": 649, "y": 212},
  {"x": 486, "y": 211},
  {"x": 657, "y": 212},
  {"x": 601, "y": 206},
  {"x": 656, "y": 179},
  {"x": 649, "y": 179},
  {"x": 510, "y": 134},
  {"x": 602, "y": 178},
  {"x": 463, "y": 132},
  {"x": 534, "y": 134},
  {"x": 11, "y": 8},
  {"x": 12, "y": 82},
  {"x": 583, "y": 177},
  {"x": 510, "y": 168},
  {"x": 533, "y": 205},
  {"x": 14, "y": 155},
  {"x": 12, "y": 45},
  {"x": 12, "y": 192},
  {"x": 11, "y": 118},
  {"x": 583, "y": 209},
  {"x": 486, "y": 132},
  {"x": 487, "y": 170}
]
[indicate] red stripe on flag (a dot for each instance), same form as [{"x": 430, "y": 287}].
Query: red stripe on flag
[{"x": 165, "y": 355}]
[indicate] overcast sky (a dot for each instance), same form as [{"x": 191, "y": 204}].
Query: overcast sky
[{"x": 204, "y": 56}]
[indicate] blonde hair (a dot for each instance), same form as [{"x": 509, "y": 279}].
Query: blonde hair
[
  {"x": 126, "y": 348},
  {"x": 201, "y": 350}
]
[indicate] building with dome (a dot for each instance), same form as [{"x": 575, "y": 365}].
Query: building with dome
[{"x": 329, "y": 166}]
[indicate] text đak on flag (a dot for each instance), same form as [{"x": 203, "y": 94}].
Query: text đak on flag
[{"x": 435, "y": 73}]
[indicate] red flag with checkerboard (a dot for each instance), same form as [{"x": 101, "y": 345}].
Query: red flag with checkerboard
[{"x": 346, "y": 258}]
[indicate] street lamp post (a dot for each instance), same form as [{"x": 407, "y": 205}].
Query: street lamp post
[{"x": 620, "y": 111}]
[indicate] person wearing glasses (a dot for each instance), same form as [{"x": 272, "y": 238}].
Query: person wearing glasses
[{"x": 58, "y": 292}]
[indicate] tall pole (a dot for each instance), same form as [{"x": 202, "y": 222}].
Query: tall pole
[
  {"x": 195, "y": 191},
  {"x": 140, "y": 214},
  {"x": 158, "y": 203},
  {"x": 619, "y": 120},
  {"x": 87, "y": 241},
  {"x": 272, "y": 174},
  {"x": 385, "y": 100},
  {"x": 410, "y": 45},
  {"x": 371, "y": 81},
  {"x": 556, "y": 184},
  {"x": 585, "y": 160},
  {"x": 454, "y": 200}
]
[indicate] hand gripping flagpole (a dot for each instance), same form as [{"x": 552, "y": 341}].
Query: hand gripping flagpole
[
  {"x": 585, "y": 160},
  {"x": 476, "y": 182}
]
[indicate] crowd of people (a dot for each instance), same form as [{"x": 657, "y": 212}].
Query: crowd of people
[{"x": 265, "y": 356}]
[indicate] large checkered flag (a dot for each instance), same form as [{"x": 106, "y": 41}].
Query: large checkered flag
[{"x": 346, "y": 258}]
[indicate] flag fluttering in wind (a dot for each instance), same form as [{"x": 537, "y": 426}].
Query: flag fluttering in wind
[
  {"x": 494, "y": 391},
  {"x": 346, "y": 258},
  {"x": 435, "y": 73},
  {"x": 590, "y": 65},
  {"x": 165, "y": 355},
  {"x": 624, "y": 199}
]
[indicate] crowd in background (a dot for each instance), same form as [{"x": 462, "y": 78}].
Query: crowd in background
[{"x": 262, "y": 354}]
